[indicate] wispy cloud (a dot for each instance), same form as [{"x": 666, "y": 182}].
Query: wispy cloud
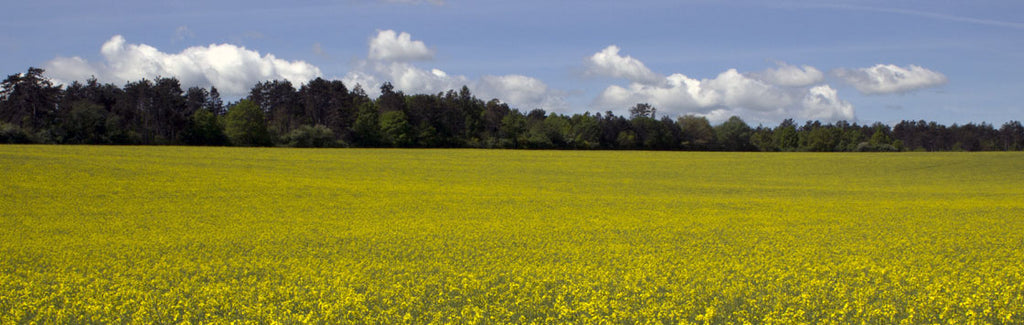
[
  {"x": 911, "y": 12},
  {"x": 182, "y": 33},
  {"x": 318, "y": 49},
  {"x": 790, "y": 75},
  {"x": 889, "y": 79},
  {"x": 433, "y": 2}
]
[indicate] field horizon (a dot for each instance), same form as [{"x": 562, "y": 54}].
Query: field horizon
[{"x": 117, "y": 234}]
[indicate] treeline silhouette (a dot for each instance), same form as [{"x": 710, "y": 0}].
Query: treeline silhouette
[{"x": 326, "y": 113}]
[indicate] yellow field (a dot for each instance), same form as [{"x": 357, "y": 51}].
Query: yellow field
[{"x": 212, "y": 235}]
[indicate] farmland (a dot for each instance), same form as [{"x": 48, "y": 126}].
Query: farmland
[{"x": 175, "y": 234}]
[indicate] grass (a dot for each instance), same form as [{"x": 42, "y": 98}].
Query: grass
[{"x": 211, "y": 235}]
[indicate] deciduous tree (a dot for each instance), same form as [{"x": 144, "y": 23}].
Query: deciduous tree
[{"x": 245, "y": 126}]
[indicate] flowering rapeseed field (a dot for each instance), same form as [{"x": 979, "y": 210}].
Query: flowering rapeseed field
[{"x": 217, "y": 235}]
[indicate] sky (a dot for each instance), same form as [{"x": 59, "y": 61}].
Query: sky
[{"x": 862, "y": 61}]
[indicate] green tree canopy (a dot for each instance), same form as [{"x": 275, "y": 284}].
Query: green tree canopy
[
  {"x": 366, "y": 129},
  {"x": 395, "y": 129},
  {"x": 245, "y": 125},
  {"x": 28, "y": 100},
  {"x": 205, "y": 129},
  {"x": 734, "y": 135},
  {"x": 697, "y": 132}
]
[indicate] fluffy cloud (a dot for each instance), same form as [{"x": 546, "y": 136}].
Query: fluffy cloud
[
  {"x": 738, "y": 90},
  {"x": 386, "y": 64},
  {"x": 769, "y": 95},
  {"x": 608, "y": 62},
  {"x": 391, "y": 46},
  {"x": 66, "y": 70},
  {"x": 521, "y": 91},
  {"x": 232, "y": 69},
  {"x": 518, "y": 91},
  {"x": 411, "y": 79},
  {"x": 888, "y": 78},
  {"x": 823, "y": 103},
  {"x": 818, "y": 103},
  {"x": 790, "y": 75}
]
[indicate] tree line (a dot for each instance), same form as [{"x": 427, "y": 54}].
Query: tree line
[{"x": 326, "y": 113}]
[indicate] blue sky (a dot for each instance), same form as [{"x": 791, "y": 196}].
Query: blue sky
[{"x": 863, "y": 61}]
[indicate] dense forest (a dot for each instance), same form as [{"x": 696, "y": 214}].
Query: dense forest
[{"x": 326, "y": 113}]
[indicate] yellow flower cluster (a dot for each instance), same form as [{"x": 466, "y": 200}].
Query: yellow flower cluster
[{"x": 263, "y": 236}]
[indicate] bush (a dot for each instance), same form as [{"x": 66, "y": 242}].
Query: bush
[
  {"x": 245, "y": 125},
  {"x": 10, "y": 133},
  {"x": 868, "y": 147},
  {"x": 306, "y": 136},
  {"x": 204, "y": 129}
]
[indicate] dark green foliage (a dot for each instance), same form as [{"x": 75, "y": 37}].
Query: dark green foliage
[
  {"x": 367, "y": 126},
  {"x": 850, "y": 136},
  {"x": 762, "y": 139},
  {"x": 10, "y": 133},
  {"x": 169, "y": 114},
  {"x": 491, "y": 120},
  {"x": 389, "y": 99},
  {"x": 614, "y": 132},
  {"x": 395, "y": 129},
  {"x": 785, "y": 137},
  {"x": 880, "y": 137},
  {"x": 214, "y": 104},
  {"x": 196, "y": 99},
  {"x": 734, "y": 135},
  {"x": 867, "y": 146},
  {"x": 657, "y": 135},
  {"x": 513, "y": 130},
  {"x": 585, "y": 131},
  {"x": 204, "y": 129},
  {"x": 245, "y": 126},
  {"x": 1012, "y": 136},
  {"x": 816, "y": 137},
  {"x": 317, "y": 136},
  {"x": 279, "y": 101},
  {"x": 88, "y": 123},
  {"x": 642, "y": 110},
  {"x": 328, "y": 103},
  {"x": 697, "y": 132},
  {"x": 28, "y": 100},
  {"x": 325, "y": 113},
  {"x": 626, "y": 140}
]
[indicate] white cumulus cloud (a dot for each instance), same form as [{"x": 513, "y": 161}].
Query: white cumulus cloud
[
  {"x": 521, "y": 91},
  {"x": 738, "y": 90},
  {"x": 232, "y": 69},
  {"x": 889, "y": 79},
  {"x": 769, "y": 95},
  {"x": 413, "y": 80},
  {"x": 823, "y": 103},
  {"x": 790, "y": 75},
  {"x": 609, "y": 63},
  {"x": 66, "y": 70},
  {"x": 389, "y": 45},
  {"x": 386, "y": 64},
  {"x": 518, "y": 91}
]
